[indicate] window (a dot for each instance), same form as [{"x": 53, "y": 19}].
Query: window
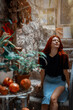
[{"x": 65, "y": 12}]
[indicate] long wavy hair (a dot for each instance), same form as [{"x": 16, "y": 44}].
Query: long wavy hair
[{"x": 47, "y": 48}]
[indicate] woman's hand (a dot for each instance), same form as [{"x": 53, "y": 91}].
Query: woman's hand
[
  {"x": 40, "y": 85},
  {"x": 66, "y": 73}
]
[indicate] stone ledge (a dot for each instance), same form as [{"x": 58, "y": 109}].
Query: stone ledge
[
  {"x": 34, "y": 82},
  {"x": 64, "y": 103},
  {"x": 36, "y": 104},
  {"x": 67, "y": 42},
  {"x": 39, "y": 100},
  {"x": 35, "y": 76},
  {"x": 36, "y": 93},
  {"x": 35, "y": 99}
]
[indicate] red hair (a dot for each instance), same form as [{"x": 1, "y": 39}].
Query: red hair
[{"x": 47, "y": 48}]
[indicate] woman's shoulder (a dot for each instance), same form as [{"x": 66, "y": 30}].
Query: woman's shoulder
[
  {"x": 43, "y": 61},
  {"x": 43, "y": 58}
]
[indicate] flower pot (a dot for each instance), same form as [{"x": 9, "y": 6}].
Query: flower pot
[
  {"x": 19, "y": 77},
  {"x": 3, "y": 75}
]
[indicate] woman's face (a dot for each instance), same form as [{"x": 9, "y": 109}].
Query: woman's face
[{"x": 55, "y": 43}]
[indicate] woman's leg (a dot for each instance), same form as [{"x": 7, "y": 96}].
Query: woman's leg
[
  {"x": 44, "y": 107},
  {"x": 54, "y": 98}
]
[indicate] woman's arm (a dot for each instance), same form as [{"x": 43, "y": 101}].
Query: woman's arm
[
  {"x": 66, "y": 73},
  {"x": 42, "y": 73}
]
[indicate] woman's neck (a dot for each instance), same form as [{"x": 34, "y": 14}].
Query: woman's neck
[{"x": 53, "y": 52}]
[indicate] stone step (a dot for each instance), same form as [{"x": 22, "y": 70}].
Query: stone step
[
  {"x": 36, "y": 93},
  {"x": 67, "y": 43},
  {"x": 36, "y": 104},
  {"x": 70, "y": 62},
  {"x": 69, "y": 51},
  {"x": 35, "y": 75}
]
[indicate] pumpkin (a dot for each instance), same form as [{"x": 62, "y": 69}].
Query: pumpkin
[
  {"x": 14, "y": 87},
  {"x": 0, "y": 88},
  {"x": 25, "y": 109},
  {"x": 25, "y": 83},
  {"x": 7, "y": 81},
  {"x": 4, "y": 90}
]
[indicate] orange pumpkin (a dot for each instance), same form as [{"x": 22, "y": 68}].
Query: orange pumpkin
[
  {"x": 0, "y": 88},
  {"x": 7, "y": 81},
  {"x": 4, "y": 90},
  {"x": 25, "y": 83},
  {"x": 14, "y": 87},
  {"x": 25, "y": 109}
]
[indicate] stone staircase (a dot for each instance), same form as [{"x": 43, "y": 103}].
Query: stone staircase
[{"x": 36, "y": 96}]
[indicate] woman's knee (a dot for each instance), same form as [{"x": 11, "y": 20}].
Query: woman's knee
[{"x": 53, "y": 99}]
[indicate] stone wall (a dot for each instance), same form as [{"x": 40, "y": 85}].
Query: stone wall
[{"x": 32, "y": 36}]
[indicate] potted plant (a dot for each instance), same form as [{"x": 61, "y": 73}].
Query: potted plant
[
  {"x": 27, "y": 63},
  {"x": 7, "y": 56},
  {"x": 17, "y": 61}
]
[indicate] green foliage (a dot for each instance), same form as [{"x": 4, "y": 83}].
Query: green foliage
[
  {"x": 9, "y": 57},
  {"x": 28, "y": 62}
]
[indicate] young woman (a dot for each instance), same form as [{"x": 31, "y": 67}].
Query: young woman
[{"x": 54, "y": 74}]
